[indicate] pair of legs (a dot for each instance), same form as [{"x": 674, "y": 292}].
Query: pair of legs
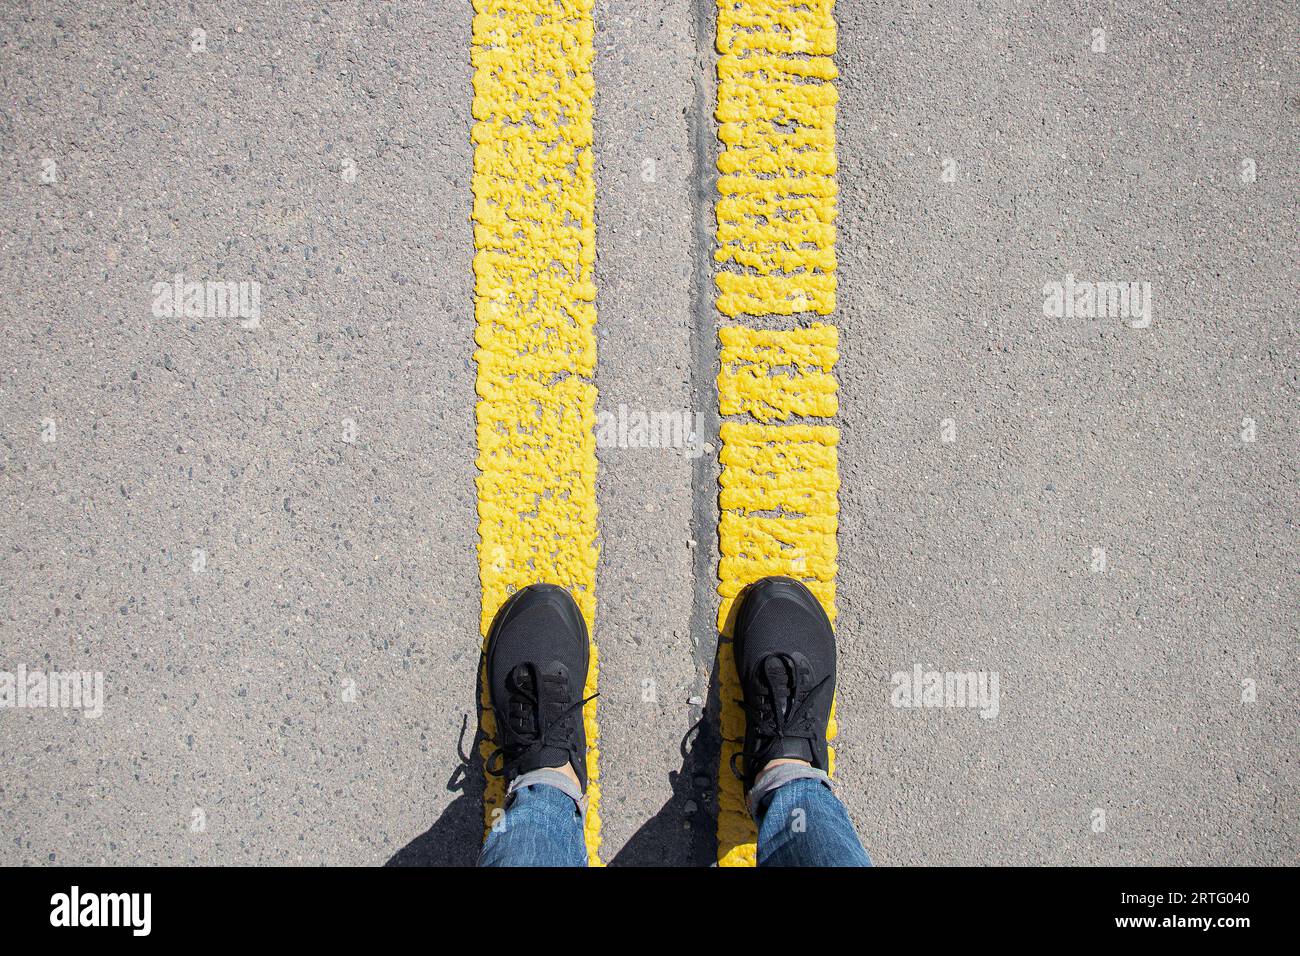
[{"x": 785, "y": 658}]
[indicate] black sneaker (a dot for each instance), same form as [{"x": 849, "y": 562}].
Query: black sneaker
[
  {"x": 536, "y": 670},
  {"x": 785, "y": 658}
]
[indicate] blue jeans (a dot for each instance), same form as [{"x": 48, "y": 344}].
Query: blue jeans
[{"x": 800, "y": 823}]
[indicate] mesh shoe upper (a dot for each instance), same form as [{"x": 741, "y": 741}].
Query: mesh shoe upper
[
  {"x": 785, "y": 658},
  {"x": 536, "y": 668}
]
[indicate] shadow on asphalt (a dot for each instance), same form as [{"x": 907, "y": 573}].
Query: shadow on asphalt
[
  {"x": 684, "y": 831},
  {"x": 457, "y": 836}
]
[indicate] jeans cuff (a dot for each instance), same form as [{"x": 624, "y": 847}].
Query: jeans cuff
[
  {"x": 549, "y": 777},
  {"x": 773, "y": 777}
]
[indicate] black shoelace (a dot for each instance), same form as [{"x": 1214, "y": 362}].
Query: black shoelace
[
  {"x": 538, "y": 733},
  {"x": 766, "y": 715}
]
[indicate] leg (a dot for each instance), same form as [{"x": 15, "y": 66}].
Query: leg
[
  {"x": 541, "y": 826},
  {"x": 536, "y": 665},
  {"x": 785, "y": 658},
  {"x": 801, "y": 822}
]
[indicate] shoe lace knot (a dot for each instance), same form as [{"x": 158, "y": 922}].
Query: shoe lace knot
[
  {"x": 782, "y": 708},
  {"x": 540, "y": 716}
]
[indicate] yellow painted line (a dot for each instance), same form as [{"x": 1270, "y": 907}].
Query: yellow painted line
[
  {"x": 775, "y": 374},
  {"x": 535, "y": 247},
  {"x": 776, "y": 115},
  {"x": 779, "y": 483},
  {"x": 780, "y": 507}
]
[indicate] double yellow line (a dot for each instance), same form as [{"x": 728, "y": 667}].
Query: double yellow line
[{"x": 534, "y": 237}]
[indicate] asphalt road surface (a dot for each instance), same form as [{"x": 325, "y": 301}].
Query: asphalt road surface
[{"x": 264, "y": 538}]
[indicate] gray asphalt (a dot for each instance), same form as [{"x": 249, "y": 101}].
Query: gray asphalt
[{"x": 301, "y": 698}]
